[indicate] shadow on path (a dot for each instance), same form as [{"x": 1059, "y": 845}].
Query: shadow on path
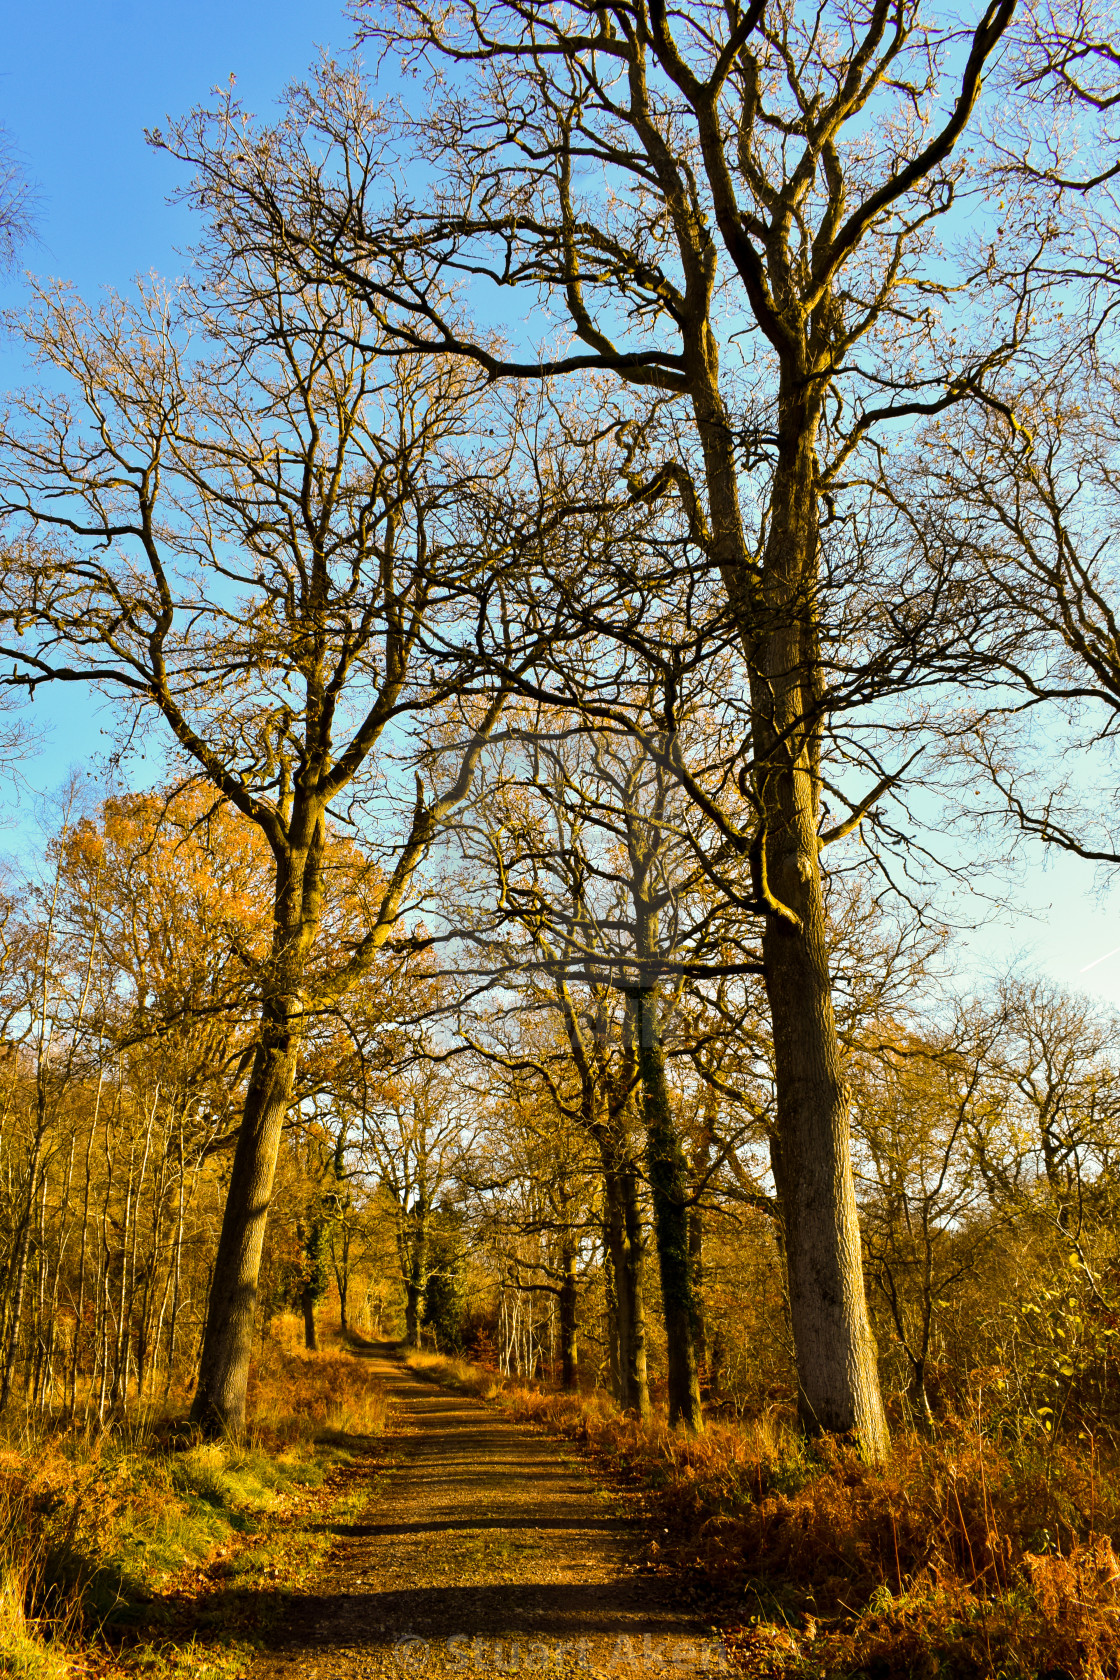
[{"x": 483, "y": 1550}]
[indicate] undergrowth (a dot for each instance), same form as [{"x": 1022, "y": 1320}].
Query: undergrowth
[
  {"x": 147, "y": 1549},
  {"x": 969, "y": 1555}
]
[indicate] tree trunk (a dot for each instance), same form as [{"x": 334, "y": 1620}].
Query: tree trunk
[
  {"x": 614, "y": 1347},
  {"x": 837, "y": 1372},
  {"x": 314, "y": 1278},
  {"x": 776, "y": 611},
  {"x": 668, "y": 1178},
  {"x": 179, "y": 1221},
  {"x": 633, "y": 1298},
  {"x": 569, "y": 1302},
  {"x": 833, "y": 1346},
  {"x": 342, "y": 1279},
  {"x": 307, "y": 1302},
  {"x": 920, "y": 1409},
  {"x": 118, "y": 1394},
  {"x": 219, "y": 1402},
  {"x": 413, "y": 1314},
  {"x": 624, "y": 1241},
  {"x": 223, "y": 1376},
  {"x": 79, "y": 1311},
  {"x": 19, "y": 1267},
  {"x": 701, "y": 1161},
  {"x": 696, "y": 1267},
  {"x": 416, "y": 1279}
]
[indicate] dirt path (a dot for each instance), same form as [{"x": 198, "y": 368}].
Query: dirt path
[{"x": 483, "y": 1550}]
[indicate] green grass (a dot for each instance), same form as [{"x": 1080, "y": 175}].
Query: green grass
[
  {"x": 153, "y": 1557},
  {"x": 23, "y": 1655},
  {"x": 260, "y": 1530},
  {"x": 170, "y": 1512}
]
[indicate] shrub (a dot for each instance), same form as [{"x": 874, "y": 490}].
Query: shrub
[
  {"x": 965, "y": 1556},
  {"x": 94, "y": 1529}
]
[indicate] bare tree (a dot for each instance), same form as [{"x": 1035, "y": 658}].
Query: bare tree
[
  {"x": 1046, "y": 1142},
  {"x": 1029, "y": 495},
  {"x": 17, "y": 203},
  {"x": 584, "y": 835},
  {"x": 236, "y": 523},
  {"x": 530, "y": 1175},
  {"x": 917, "y": 1103},
  {"x": 413, "y": 1131},
  {"x": 730, "y": 215}
]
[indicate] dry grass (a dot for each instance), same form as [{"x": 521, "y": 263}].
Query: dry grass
[
  {"x": 22, "y": 1651},
  {"x": 966, "y": 1556},
  {"x": 458, "y": 1374},
  {"x": 296, "y": 1396},
  {"x": 96, "y": 1529}
]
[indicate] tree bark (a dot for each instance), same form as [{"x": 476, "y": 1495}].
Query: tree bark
[
  {"x": 413, "y": 1312},
  {"x": 696, "y": 1266},
  {"x": 314, "y": 1277},
  {"x": 219, "y": 1402},
  {"x": 837, "y": 1371},
  {"x": 79, "y": 1310},
  {"x": 19, "y": 1266},
  {"x": 416, "y": 1269},
  {"x": 307, "y": 1301},
  {"x": 343, "y": 1302},
  {"x": 701, "y": 1161},
  {"x": 776, "y": 609},
  {"x": 614, "y": 1341},
  {"x": 223, "y": 1377},
  {"x": 342, "y": 1280},
  {"x": 668, "y": 1178},
  {"x": 624, "y": 1241},
  {"x": 569, "y": 1303},
  {"x": 835, "y": 1352},
  {"x": 179, "y": 1223},
  {"x": 918, "y": 1396}
]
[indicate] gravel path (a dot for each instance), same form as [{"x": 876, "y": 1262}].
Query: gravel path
[{"x": 483, "y": 1550}]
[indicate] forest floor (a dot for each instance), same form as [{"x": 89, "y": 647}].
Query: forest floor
[
  {"x": 374, "y": 1524},
  {"x": 484, "y": 1548}
]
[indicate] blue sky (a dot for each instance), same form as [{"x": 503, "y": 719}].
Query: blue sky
[{"x": 79, "y": 83}]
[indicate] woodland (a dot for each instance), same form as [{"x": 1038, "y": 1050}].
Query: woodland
[{"x": 608, "y": 546}]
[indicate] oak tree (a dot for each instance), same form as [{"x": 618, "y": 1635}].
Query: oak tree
[{"x": 226, "y": 509}]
